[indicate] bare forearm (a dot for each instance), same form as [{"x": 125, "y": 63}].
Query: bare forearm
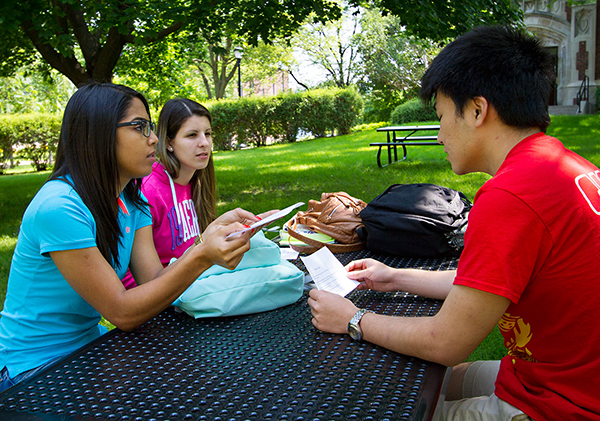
[
  {"x": 465, "y": 319},
  {"x": 414, "y": 336},
  {"x": 432, "y": 284},
  {"x": 149, "y": 299}
]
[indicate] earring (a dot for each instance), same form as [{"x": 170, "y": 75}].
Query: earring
[{"x": 170, "y": 149}]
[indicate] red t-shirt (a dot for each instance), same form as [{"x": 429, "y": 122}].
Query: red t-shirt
[{"x": 534, "y": 238}]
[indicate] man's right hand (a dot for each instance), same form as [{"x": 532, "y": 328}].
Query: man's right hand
[{"x": 372, "y": 275}]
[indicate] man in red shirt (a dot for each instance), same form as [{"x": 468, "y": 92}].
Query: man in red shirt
[{"x": 530, "y": 262}]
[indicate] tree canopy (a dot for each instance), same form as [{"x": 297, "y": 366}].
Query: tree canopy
[
  {"x": 84, "y": 39},
  {"x": 333, "y": 46},
  {"x": 439, "y": 20},
  {"x": 392, "y": 62}
]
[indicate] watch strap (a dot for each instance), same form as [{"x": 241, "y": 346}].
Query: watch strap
[{"x": 354, "y": 324}]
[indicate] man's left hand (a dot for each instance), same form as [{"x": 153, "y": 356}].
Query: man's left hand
[{"x": 331, "y": 312}]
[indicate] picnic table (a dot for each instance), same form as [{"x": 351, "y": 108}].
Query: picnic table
[
  {"x": 272, "y": 365},
  {"x": 403, "y": 136}
]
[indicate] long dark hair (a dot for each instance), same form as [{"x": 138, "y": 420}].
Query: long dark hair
[
  {"x": 172, "y": 116},
  {"x": 87, "y": 152}
]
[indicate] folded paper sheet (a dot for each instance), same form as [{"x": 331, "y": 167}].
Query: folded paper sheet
[
  {"x": 328, "y": 273},
  {"x": 269, "y": 219}
]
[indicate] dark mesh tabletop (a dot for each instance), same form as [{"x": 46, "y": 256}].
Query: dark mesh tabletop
[{"x": 267, "y": 366}]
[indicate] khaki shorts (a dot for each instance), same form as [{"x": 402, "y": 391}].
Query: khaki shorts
[{"x": 479, "y": 402}]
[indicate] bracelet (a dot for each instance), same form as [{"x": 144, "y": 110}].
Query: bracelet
[{"x": 198, "y": 239}]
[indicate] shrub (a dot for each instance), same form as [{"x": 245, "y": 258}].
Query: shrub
[
  {"x": 379, "y": 105},
  {"x": 6, "y": 145},
  {"x": 254, "y": 120},
  {"x": 317, "y": 112},
  {"x": 413, "y": 110},
  {"x": 223, "y": 123},
  {"x": 287, "y": 114},
  {"x": 32, "y": 137},
  {"x": 242, "y": 121},
  {"x": 347, "y": 107}
]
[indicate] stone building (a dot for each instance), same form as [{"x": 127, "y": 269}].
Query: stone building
[{"x": 569, "y": 32}]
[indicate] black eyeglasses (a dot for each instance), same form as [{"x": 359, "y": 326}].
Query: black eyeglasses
[{"x": 147, "y": 126}]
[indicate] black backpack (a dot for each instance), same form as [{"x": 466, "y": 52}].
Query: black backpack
[{"x": 421, "y": 220}]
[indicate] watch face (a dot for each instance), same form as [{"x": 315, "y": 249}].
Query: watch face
[{"x": 354, "y": 332}]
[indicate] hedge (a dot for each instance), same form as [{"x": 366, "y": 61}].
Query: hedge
[
  {"x": 31, "y": 137},
  {"x": 254, "y": 120},
  {"x": 348, "y": 106},
  {"x": 251, "y": 121},
  {"x": 242, "y": 121},
  {"x": 413, "y": 110}
]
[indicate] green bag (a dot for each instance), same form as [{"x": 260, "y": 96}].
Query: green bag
[{"x": 262, "y": 281}]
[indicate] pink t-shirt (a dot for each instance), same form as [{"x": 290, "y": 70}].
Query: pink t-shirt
[
  {"x": 172, "y": 234},
  {"x": 534, "y": 238}
]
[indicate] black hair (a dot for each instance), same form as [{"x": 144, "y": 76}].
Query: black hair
[
  {"x": 503, "y": 64},
  {"x": 87, "y": 152}
]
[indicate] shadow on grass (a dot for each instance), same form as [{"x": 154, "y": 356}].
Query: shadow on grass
[
  {"x": 7, "y": 247},
  {"x": 16, "y": 192}
]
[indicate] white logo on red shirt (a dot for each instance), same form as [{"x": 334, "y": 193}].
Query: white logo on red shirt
[{"x": 589, "y": 186}]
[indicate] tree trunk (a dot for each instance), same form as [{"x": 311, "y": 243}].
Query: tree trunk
[
  {"x": 218, "y": 65},
  {"x": 100, "y": 60}
]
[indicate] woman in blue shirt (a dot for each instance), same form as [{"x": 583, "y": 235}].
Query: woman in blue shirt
[{"x": 85, "y": 227}]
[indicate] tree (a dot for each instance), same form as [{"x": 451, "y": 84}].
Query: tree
[
  {"x": 191, "y": 65},
  {"x": 393, "y": 62},
  {"x": 266, "y": 62},
  {"x": 160, "y": 70},
  {"x": 34, "y": 92},
  {"x": 217, "y": 67},
  {"x": 440, "y": 20},
  {"x": 333, "y": 46},
  {"x": 84, "y": 39}
]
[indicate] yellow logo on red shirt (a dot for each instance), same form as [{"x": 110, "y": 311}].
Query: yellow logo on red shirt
[{"x": 517, "y": 335}]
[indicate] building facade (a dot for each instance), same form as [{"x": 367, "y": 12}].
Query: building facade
[
  {"x": 272, "y": 87},
  {"x": 569, "y": 32}
]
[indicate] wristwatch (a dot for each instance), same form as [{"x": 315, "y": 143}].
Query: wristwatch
[{"x": 354, "y": 324}]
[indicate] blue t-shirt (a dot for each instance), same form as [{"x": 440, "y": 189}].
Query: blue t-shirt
[{"x": 43, "y": 317}]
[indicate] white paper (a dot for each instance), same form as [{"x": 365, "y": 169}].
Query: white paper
[
  {"x": 269, "y": 219},
  {"x": 328, "y": 273},
  {"x": 288, "y": 253}
]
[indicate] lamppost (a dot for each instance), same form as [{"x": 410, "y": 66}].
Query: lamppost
[{"x": 238, "y": 52}]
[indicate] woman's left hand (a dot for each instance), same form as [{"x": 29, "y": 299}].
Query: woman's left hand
[
  {"x": 267, "y": 214},
  {"x": 220, "y": 249},
  {"x": 331, "y": 312},
  {"x": 237, "y": 215}
]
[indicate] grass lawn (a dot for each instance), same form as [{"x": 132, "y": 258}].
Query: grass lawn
[{"x": 276, "y": 176}]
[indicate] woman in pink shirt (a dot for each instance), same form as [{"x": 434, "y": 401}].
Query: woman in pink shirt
[{"x": 181, "y": 189}]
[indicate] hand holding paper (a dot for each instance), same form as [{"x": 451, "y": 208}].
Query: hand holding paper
[
  {"x": 268, "y": 220},
  {"x": 328, "y": 273}
]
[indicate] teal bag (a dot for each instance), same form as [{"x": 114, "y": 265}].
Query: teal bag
[{"x": 262, "y": 281}]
